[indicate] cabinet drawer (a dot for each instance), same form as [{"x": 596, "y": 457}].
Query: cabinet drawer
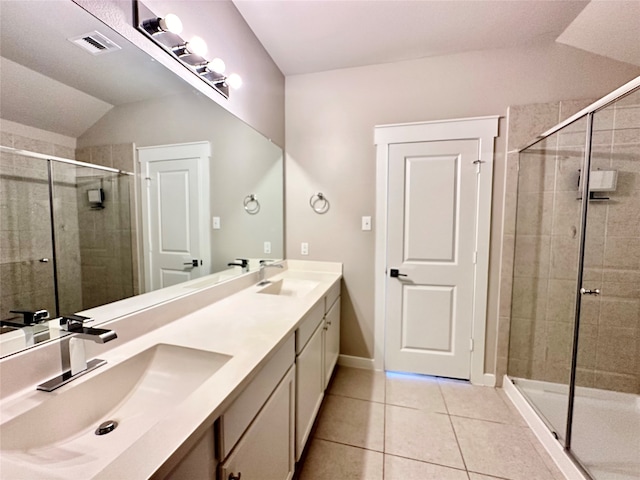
[
  {"x": 309, "y": 324},
  {"x": 332, "y": 295},
  {"x": 235, "y": 420}
]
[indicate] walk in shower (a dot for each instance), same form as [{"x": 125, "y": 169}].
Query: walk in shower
[
  {"x": 574, "y": 350},
  {"x": 66, "y": 234}
]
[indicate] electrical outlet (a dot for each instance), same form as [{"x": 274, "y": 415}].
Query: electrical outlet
[
  {"x": 304, "y": 248},
  {"x": 267, "y": 247},
  {"x": 216, "y": 223},
  {"x": 366, "y": 223}
]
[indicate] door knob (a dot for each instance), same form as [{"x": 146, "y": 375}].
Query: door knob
[
  {"x": 394, "y": 273},
  {"x": 192, "y": 263},
  {"x": 584, "y": 291}
]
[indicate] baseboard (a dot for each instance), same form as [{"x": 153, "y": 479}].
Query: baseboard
[
  {"x": 544, "y": 435},
  {"x": 489, "y": 380},
  {"x": 356, "y": 362}
]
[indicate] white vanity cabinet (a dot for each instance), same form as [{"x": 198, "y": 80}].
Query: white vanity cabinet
[
  {"x": 317, "y": 350},
  {"x": 331, "y": 340},
  {"x": 200, "y": 463},
  {"x": 255, "y": 437},
  {"x": 309, "y": 373},
  {"x": 265, "y": 451}
]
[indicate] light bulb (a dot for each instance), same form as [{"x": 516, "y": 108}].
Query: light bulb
[
  {"x": 234, "y": 81},
  {"x": 171, "y": 23},
  {"x": 216, "y": 65},
  {"x": 197, "y": 46}
]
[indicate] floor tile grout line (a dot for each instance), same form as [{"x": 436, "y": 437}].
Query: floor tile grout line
[
  {"x": 384, "y": 427},
  {"x": 455, "y": 435},
  {"x": 425, "y": 461},
  {"x": 348, "y": 445},
  {"x": 355, "y": 398}
]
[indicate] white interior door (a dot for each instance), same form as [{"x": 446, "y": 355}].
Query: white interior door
[
  {"x": 432, "y": 218},
  {"x": 175, "y": 212}
]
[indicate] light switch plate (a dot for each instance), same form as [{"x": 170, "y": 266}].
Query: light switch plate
[
  {"x": 366, "y": 223},
  {"x": 267, "y": 247},
  {"x": 304, "y": 248},
  {"x": 216, "y": 223}
]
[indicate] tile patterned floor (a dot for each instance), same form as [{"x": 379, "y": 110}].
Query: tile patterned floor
[{"x": 376, "y": 426}]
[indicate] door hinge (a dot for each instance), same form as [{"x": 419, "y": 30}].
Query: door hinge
[
  {"x": 471, "y": 344},
  {"x": 475, "y": 257}
]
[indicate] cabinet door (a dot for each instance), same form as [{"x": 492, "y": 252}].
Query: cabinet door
[
  {"x": 332, "y": 340},
  {"x": 309, "y": 388},
  {"x": 266, "y": 450},
  {"x": 199, "y": 463}
]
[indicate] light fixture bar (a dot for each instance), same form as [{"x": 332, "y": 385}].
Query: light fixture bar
[{"x": 164, "y": 32}]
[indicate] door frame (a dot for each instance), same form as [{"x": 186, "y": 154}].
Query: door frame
[
  {"x": 484, "y": 129},
  {"x": 202, "y": 151}
]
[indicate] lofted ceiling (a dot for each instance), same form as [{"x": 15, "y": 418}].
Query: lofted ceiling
[
  {"x": 52, "y": 84},
  {"x": 305, "y": 36}
]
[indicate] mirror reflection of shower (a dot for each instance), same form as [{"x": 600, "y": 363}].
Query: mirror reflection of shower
[{"x": 61, "y": 253}]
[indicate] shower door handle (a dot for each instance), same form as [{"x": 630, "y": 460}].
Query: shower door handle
[{"x": 584, "y": 291}]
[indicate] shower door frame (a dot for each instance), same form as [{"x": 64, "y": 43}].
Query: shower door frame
[{"x": 588, "y": 112}]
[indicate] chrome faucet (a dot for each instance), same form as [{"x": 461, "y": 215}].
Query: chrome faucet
[
  {"x": 77, "y": 359},
  {"x": 263, "y": 266},
  {"x": 33, "y": 324},
  {"x": 241, "y": 262}
]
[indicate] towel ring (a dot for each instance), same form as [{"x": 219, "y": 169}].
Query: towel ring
[
  {"x": 319, "y": 203},
  {"x": 251, "y": 204}
]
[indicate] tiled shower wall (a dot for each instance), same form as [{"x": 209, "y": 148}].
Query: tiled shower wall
[
  {"x": 107, "y": 245},
  {"x": 25, "y": 229},
  {"x": 539, "y": 323}
]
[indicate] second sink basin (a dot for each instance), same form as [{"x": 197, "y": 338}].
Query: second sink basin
[
  {"x": 289, "y": 287},
  {"x": 136, "y": 393}
]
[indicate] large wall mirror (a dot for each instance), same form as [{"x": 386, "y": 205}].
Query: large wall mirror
[{"x": 74, "y": 237}]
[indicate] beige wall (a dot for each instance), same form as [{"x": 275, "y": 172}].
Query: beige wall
[
  {"x": 330, "y": 118},
  {"x": 260, "y": 101},
  {"x": 242, "y": 162}
]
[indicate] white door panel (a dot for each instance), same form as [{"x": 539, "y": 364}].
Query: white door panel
[
  {"x": 175, "y": 203},
  {"x": 432, "y": 239}
]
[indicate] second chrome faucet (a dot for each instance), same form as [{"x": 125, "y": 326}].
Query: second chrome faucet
[
  {"x": 263, "y": 266},
  {"x": 77, "y": 357}
]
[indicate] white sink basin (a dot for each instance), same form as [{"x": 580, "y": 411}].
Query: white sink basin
[
  {"x": 289, "y": 287},
  {"x": 136, "y": 393}
]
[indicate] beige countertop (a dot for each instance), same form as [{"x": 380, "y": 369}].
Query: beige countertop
[{"x": 246, "y": 325}]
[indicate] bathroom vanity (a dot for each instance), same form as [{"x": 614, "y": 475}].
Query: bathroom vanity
[{"x": 228, "y": 391}]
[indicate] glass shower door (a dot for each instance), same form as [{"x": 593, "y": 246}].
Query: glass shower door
[
  {"x": 26, "y": 254},
  {"x": 606, "y": 423},
  {"x": 546, "y": 272}
]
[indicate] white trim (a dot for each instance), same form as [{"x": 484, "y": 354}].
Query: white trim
[
  {"x": 356, "y": 362},
  {"x": 483, "y": 128},
  {"x": 489, "y": 380},
  {"x": 544, "y": 435}
]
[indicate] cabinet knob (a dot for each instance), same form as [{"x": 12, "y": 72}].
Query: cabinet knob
[{"x": 235, "y": 477}]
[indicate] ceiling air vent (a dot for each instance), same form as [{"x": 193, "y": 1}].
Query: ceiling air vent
[{"x": 95, "y": 43}]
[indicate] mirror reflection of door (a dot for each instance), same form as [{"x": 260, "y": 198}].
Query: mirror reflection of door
[{"x": 175, "y": 213}]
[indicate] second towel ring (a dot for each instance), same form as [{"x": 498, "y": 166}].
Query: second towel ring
[
  {"x": 251, "y": 204},
  {"x": 319, "y": 203}
]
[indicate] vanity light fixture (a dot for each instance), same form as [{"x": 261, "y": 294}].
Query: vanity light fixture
[
  {"x": 170, "y": 23},
  {"x": 164, "y": 31},
  {"x": 195, "y": 46}
]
